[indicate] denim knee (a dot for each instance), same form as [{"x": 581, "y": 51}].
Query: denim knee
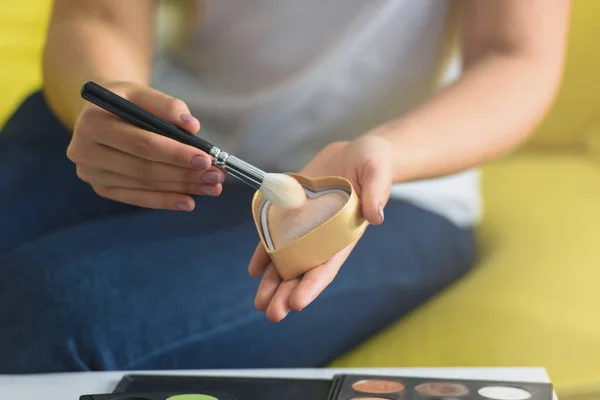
[{"x": 48, "y": 317}]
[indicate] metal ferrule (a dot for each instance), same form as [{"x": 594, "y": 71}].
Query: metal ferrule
[{"x": 237, "y": 168}]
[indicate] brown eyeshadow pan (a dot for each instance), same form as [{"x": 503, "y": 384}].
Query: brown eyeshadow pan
[
  {"x": 442, "y": 389},
  {"x": 378, "y": 386}
]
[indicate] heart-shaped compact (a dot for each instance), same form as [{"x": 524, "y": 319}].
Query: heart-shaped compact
[{"x": 298, "y": 240}]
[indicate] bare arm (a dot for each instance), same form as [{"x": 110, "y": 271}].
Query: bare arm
[
  {"x": 111, "y": 42},
  {"x": 108, "y": 40},
  {"x": 513, "y": 57}
]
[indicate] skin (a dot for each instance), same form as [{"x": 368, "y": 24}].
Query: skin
[
  {"x": 110, "y": 42},
  {"x": 512, "y": 50}
]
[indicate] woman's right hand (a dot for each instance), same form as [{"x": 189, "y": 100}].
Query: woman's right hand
[{"x": 128, "y": 164}]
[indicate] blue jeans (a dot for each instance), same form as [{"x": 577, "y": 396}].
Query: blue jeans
[{"x": 91, "y": 284}]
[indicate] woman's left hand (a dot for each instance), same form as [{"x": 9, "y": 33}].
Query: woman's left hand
[{"x": 367, "y": 163}]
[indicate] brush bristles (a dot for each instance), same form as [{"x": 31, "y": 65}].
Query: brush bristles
[{"x": 283, "y": 191}]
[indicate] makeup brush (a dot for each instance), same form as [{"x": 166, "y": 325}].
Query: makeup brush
[{"x": 281, "y": 190}]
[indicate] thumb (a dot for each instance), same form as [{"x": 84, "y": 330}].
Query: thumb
[
  {"x": 172, "y": 109},
  {"x": 375, "y": 185}
]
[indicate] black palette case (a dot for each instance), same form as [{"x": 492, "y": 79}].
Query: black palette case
[{"x": 341, "y": 387}]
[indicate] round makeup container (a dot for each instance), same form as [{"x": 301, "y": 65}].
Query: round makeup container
[
  {"x": 378, "y": 386},
  {"x": 504, "y": 393},
  {"x": 442, "y": 389}
]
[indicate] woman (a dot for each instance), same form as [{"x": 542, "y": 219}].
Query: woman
[{"x": 124, "y": 250}]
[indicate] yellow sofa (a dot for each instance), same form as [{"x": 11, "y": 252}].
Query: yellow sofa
[{"x": 533, "y": 299}]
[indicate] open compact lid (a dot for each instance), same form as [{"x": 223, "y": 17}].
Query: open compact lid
[{"x": 301, "y": 239}]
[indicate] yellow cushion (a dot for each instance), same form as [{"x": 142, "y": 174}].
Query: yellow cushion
[
  {"x": 575, "y": 118},
  {"x": 22, "y": 30},
  {"x": 533, "y": 299}
]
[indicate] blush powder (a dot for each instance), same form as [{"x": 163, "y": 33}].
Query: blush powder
[{"x": 378, "y": 386}]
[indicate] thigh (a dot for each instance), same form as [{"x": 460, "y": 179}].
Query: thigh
[
  {"x": 100, "y": 293},
  {"x": 39, "y": 189},
  {"x": 167, "y": 290},
  {"x": 394, "y": 268}
]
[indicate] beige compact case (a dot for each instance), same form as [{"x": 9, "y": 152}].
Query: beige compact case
[{"x": 301, "y": 239}]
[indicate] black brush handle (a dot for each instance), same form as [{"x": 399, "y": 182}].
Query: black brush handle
[{"x": 140, "y": 117}]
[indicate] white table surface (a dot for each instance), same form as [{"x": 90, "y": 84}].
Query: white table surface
[{"x": 69, "y": 386}]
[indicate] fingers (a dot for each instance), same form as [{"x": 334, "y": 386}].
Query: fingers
[
  {"x": 375, "y": 187},
  {"x": 128, "y": 164},
  {"x": 150, "y": 146},
  {"x": 132, "y": 180},
  {"x": 279, "y": 307},
  {"x": 99, "y": 177},
  {"x": 313, "y": 283},
  {"x": 317, "y": 279},
  {"x": 165, "y": 106},
  {"x": 278, "y": 298},
  {"x": 107, "y": 158},
  {"x": 147, "y": 199},
  {"x": 259, "y": 261},
  {"x": 267, "y": 288}
]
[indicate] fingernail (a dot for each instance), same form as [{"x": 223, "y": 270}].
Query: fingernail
[
  {"x": 207, "y": 190},
  {"x": 188, "y": 118},
  {"x": 380, "y": 210},
  {"x": 183, "y": 206},
  {"x": 212, "y": 177},
  {"x": 201, "y": 162}
]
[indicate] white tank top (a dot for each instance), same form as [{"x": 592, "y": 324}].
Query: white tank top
[{"x": 274, "y": 81}]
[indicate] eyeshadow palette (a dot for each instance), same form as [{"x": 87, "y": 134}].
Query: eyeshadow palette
[
  {"x": 341, "y": 387},
  {"x": 356, "y": 387}
]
